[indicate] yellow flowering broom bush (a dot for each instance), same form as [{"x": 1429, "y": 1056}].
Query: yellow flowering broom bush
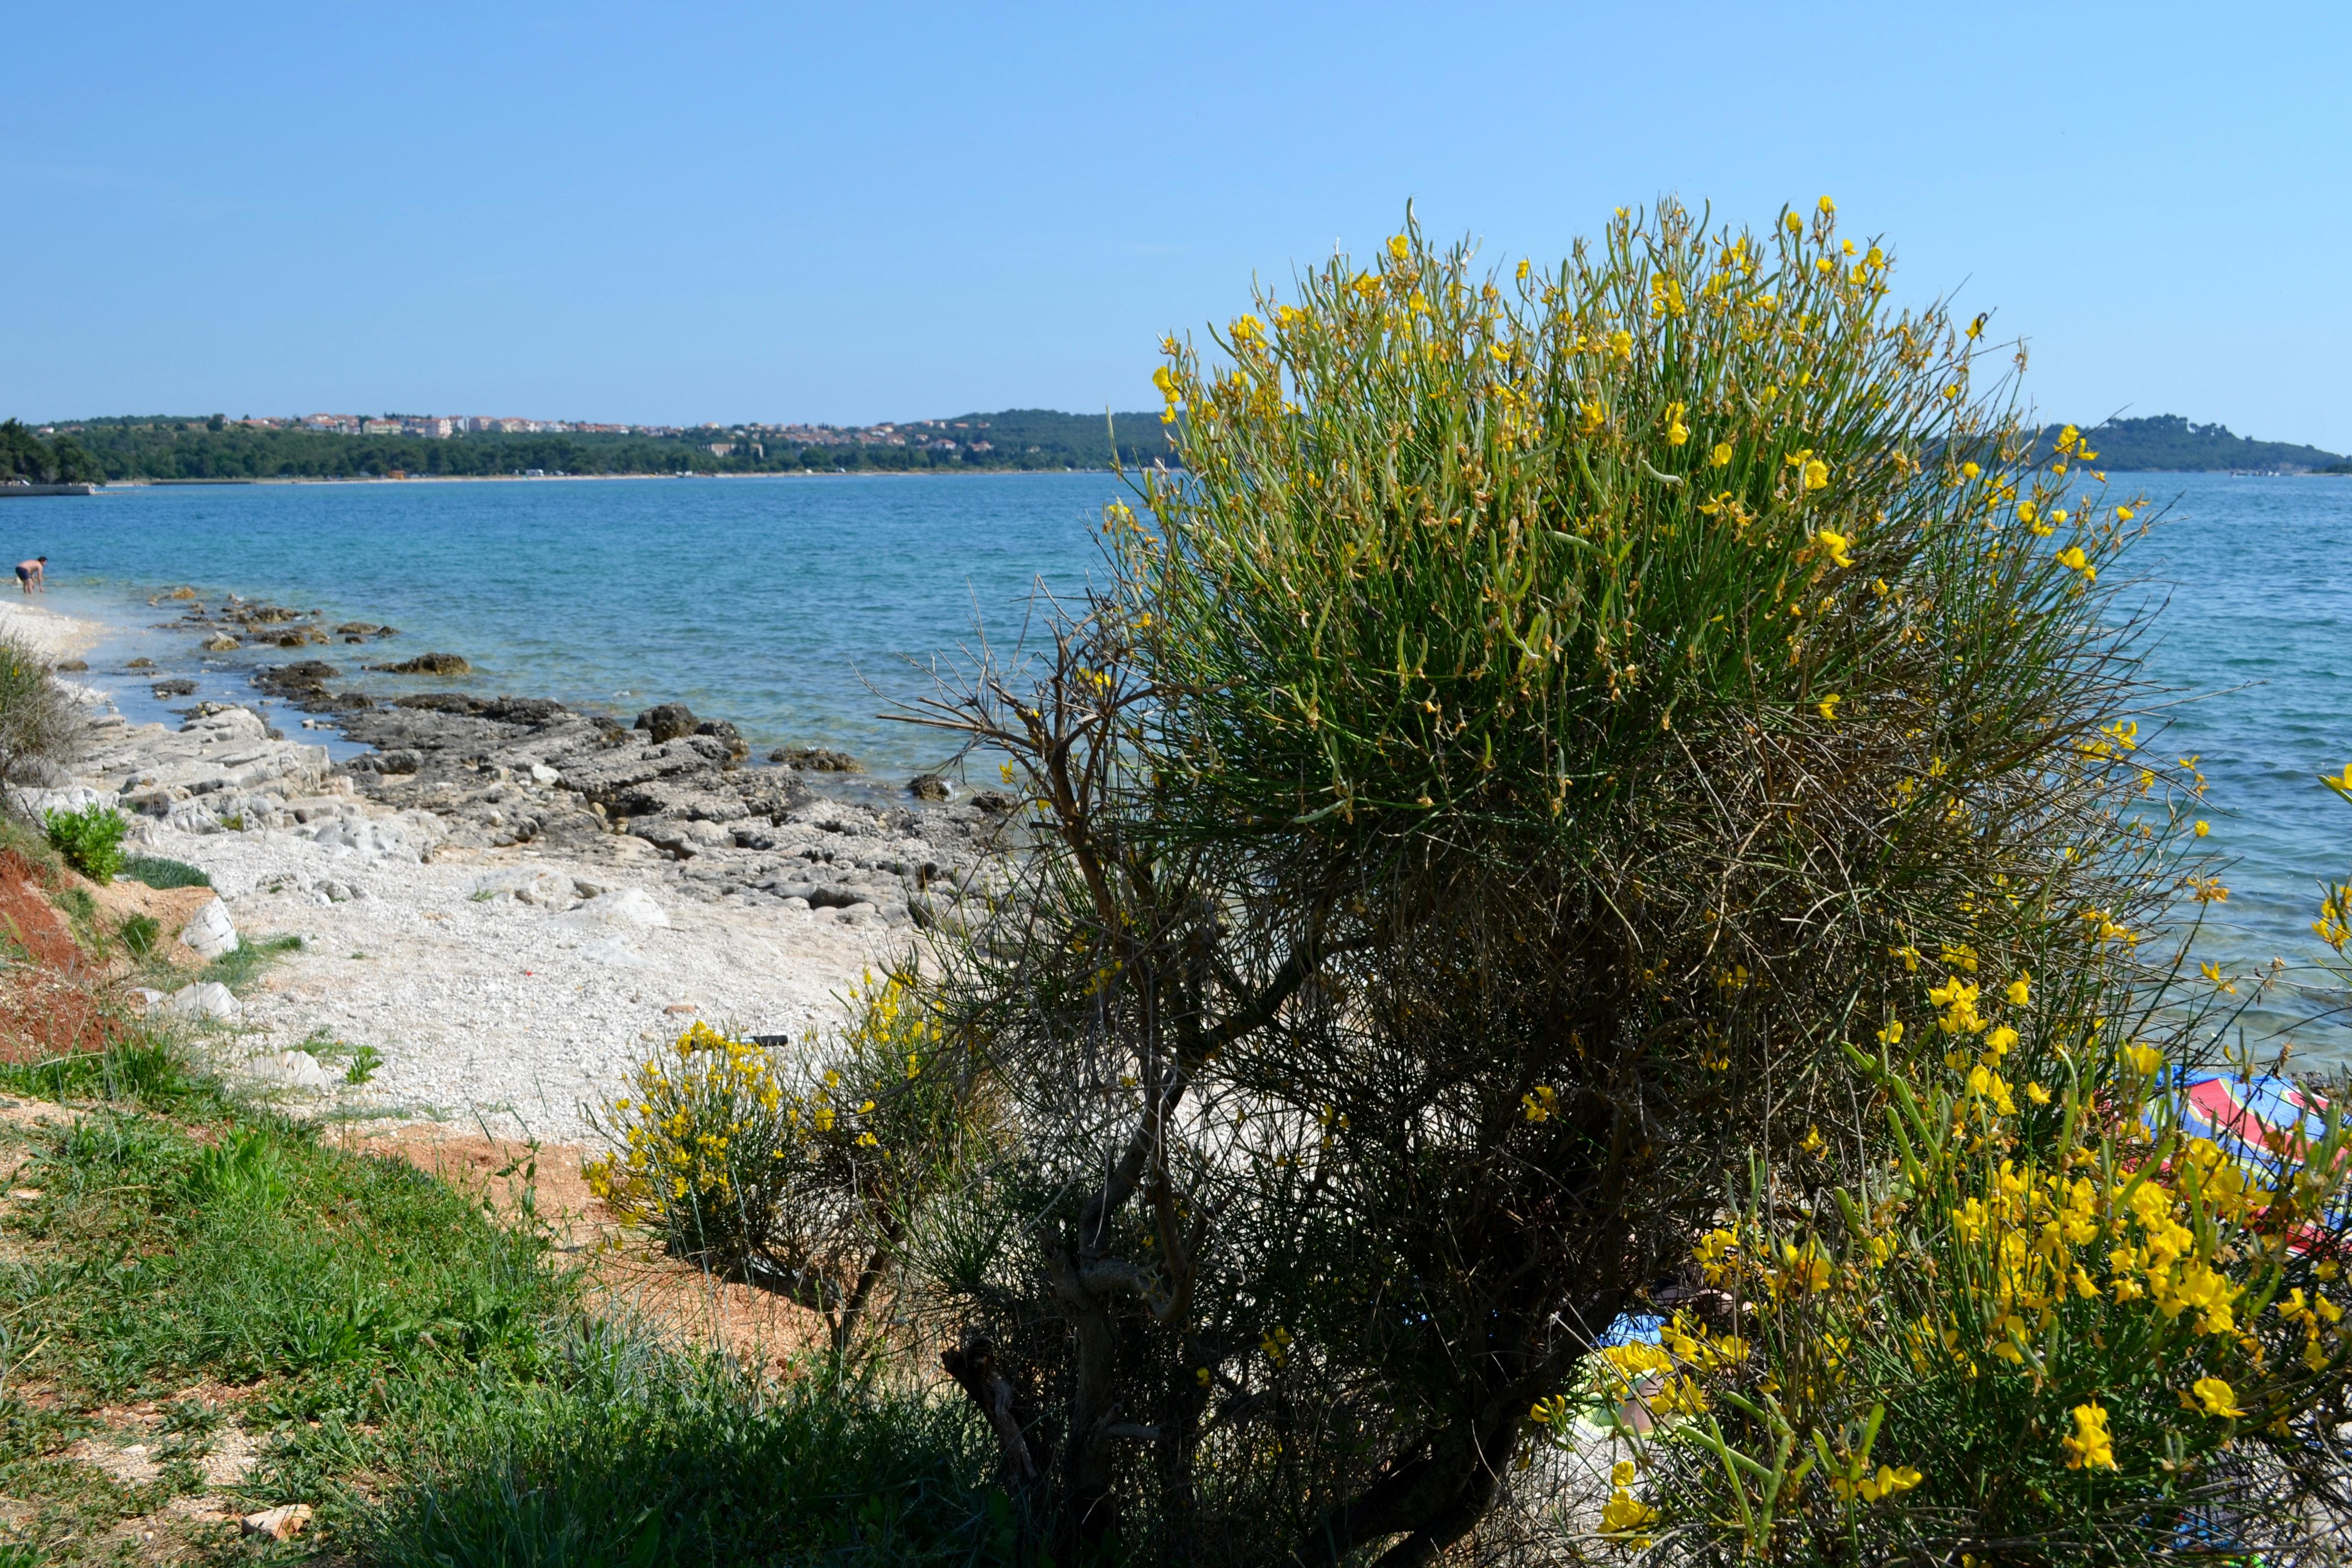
[
  {"x": 2055, "y": 1327},
  {"x": 1541, "y": 715},
  {"x": 798, "y": 1169}
]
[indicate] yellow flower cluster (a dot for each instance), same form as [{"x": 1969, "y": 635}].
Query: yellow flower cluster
[
  {"x": 1587, "y": 371},
  {"x": 694, "y": 1116},
  {"x": 2116, "y": 1255},
  {"x": 1624, "y": 1515},
  {"x": 714, "y": 1133}
]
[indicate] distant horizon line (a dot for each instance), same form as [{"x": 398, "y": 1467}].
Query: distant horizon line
[{"x": 498, "y": 423}]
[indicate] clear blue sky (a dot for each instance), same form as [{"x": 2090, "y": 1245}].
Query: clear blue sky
[{"x": 849, "y": 213}]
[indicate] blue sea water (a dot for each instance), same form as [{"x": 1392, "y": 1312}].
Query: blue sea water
[
  {"x": 792, "y": 606},
  {"x": 789, "y": 605}
]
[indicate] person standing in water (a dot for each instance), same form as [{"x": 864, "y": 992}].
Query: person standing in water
[{"x": 29, "y": 573}]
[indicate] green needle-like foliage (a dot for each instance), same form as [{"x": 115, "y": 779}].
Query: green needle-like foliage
[{"x": 1542, "y": 722}]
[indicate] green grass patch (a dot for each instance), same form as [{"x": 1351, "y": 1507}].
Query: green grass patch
[
  {"x": 139, "y": 934},
  {"x": 143, "y": 1071},
  {"x": 421, "y": 1373},
  {"x": 160, "y": 871},
  {"x": 643, "y": 1459},
  {"x": 237, "y": 967}
]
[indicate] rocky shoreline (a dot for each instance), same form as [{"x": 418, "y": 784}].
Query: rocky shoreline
[
  {"x": 504, "y": 899},
  {"x": 502, "y": 770}
]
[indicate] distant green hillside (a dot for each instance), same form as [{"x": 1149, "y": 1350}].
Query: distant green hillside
[
  {"x": 25, "y": 456},
  {"x": 209, "y": 448},
  {"x": 2168, "y": 442}
]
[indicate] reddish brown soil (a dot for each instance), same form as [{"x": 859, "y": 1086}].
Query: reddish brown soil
[
  {"x": 57, "y": 1002},
  {"x": 30, "y": 920}
]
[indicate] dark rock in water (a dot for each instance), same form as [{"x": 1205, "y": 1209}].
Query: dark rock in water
[
  {"x": 303, "y": 684},
  {"x": 816, "y": 759},
  {"x": 300, "y": 636},
  {"x": 359, "y": 629},
  {"x": 927, "y": 786},
  {"x": 441, "y": 703},
  {"x": 667, "y": 721},
  {"x": 71, "y": 665},
  {"x": 433, "y": 664},
  {"x": 180, "y": 687},
  {"x": 141, "y": 664},
  {"x": 997, "y": 801},
  {"x": 522, "y": 709},
  {"x": 738, "y": 748}
]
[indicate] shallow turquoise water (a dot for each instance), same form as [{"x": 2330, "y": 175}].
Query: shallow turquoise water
[
  {"x": 777, "y": 602},
  {"x": 771, "y": 602},
  {"x": 2256, "y": 627}
]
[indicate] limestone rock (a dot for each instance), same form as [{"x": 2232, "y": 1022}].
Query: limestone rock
[
  {"x": 205, "y": 999},
  {"x": 278, "y": 1523},
  {"x": 294, "y": 1070},
  {"x": 720, "y": 729},
  {"x": 211, "y": 933}
]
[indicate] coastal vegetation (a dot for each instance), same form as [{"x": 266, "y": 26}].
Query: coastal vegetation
[
  {"x": 1587, "y": 965},
  {"x": 164, "y": 448},
  {"x": 38, "y": 727},
  {"x": 1604, "y": 794},
  {"x": 2168, "y": 442},
  {"x": 222, "y": 1322},
  {"x": 427, "y": 1378},
  {"x": 89, "y": 838},
  {"x": 25, "y": 456},
  {"x": 167, "y": 448}
]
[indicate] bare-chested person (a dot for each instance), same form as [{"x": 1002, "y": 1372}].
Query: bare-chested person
[{"x": 29, "y": 574}]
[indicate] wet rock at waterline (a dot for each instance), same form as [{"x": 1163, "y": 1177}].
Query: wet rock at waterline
[
  {"x": 667, "y": 721},
  {"x": 432, "y": 664}
]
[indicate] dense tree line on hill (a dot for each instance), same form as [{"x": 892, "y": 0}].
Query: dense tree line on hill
[
  {"x": 2169, "y": 442},
  {"x": 167, "y": 447},
  {"x": 25, "y": 456}
]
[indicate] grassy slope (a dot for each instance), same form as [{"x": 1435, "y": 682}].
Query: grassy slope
[
  {"x": 201, "y": 1275},
  {"x": 422, "y": 1375}
]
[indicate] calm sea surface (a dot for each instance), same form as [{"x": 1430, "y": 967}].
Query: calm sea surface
[{"x": 786, "y": 604}]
